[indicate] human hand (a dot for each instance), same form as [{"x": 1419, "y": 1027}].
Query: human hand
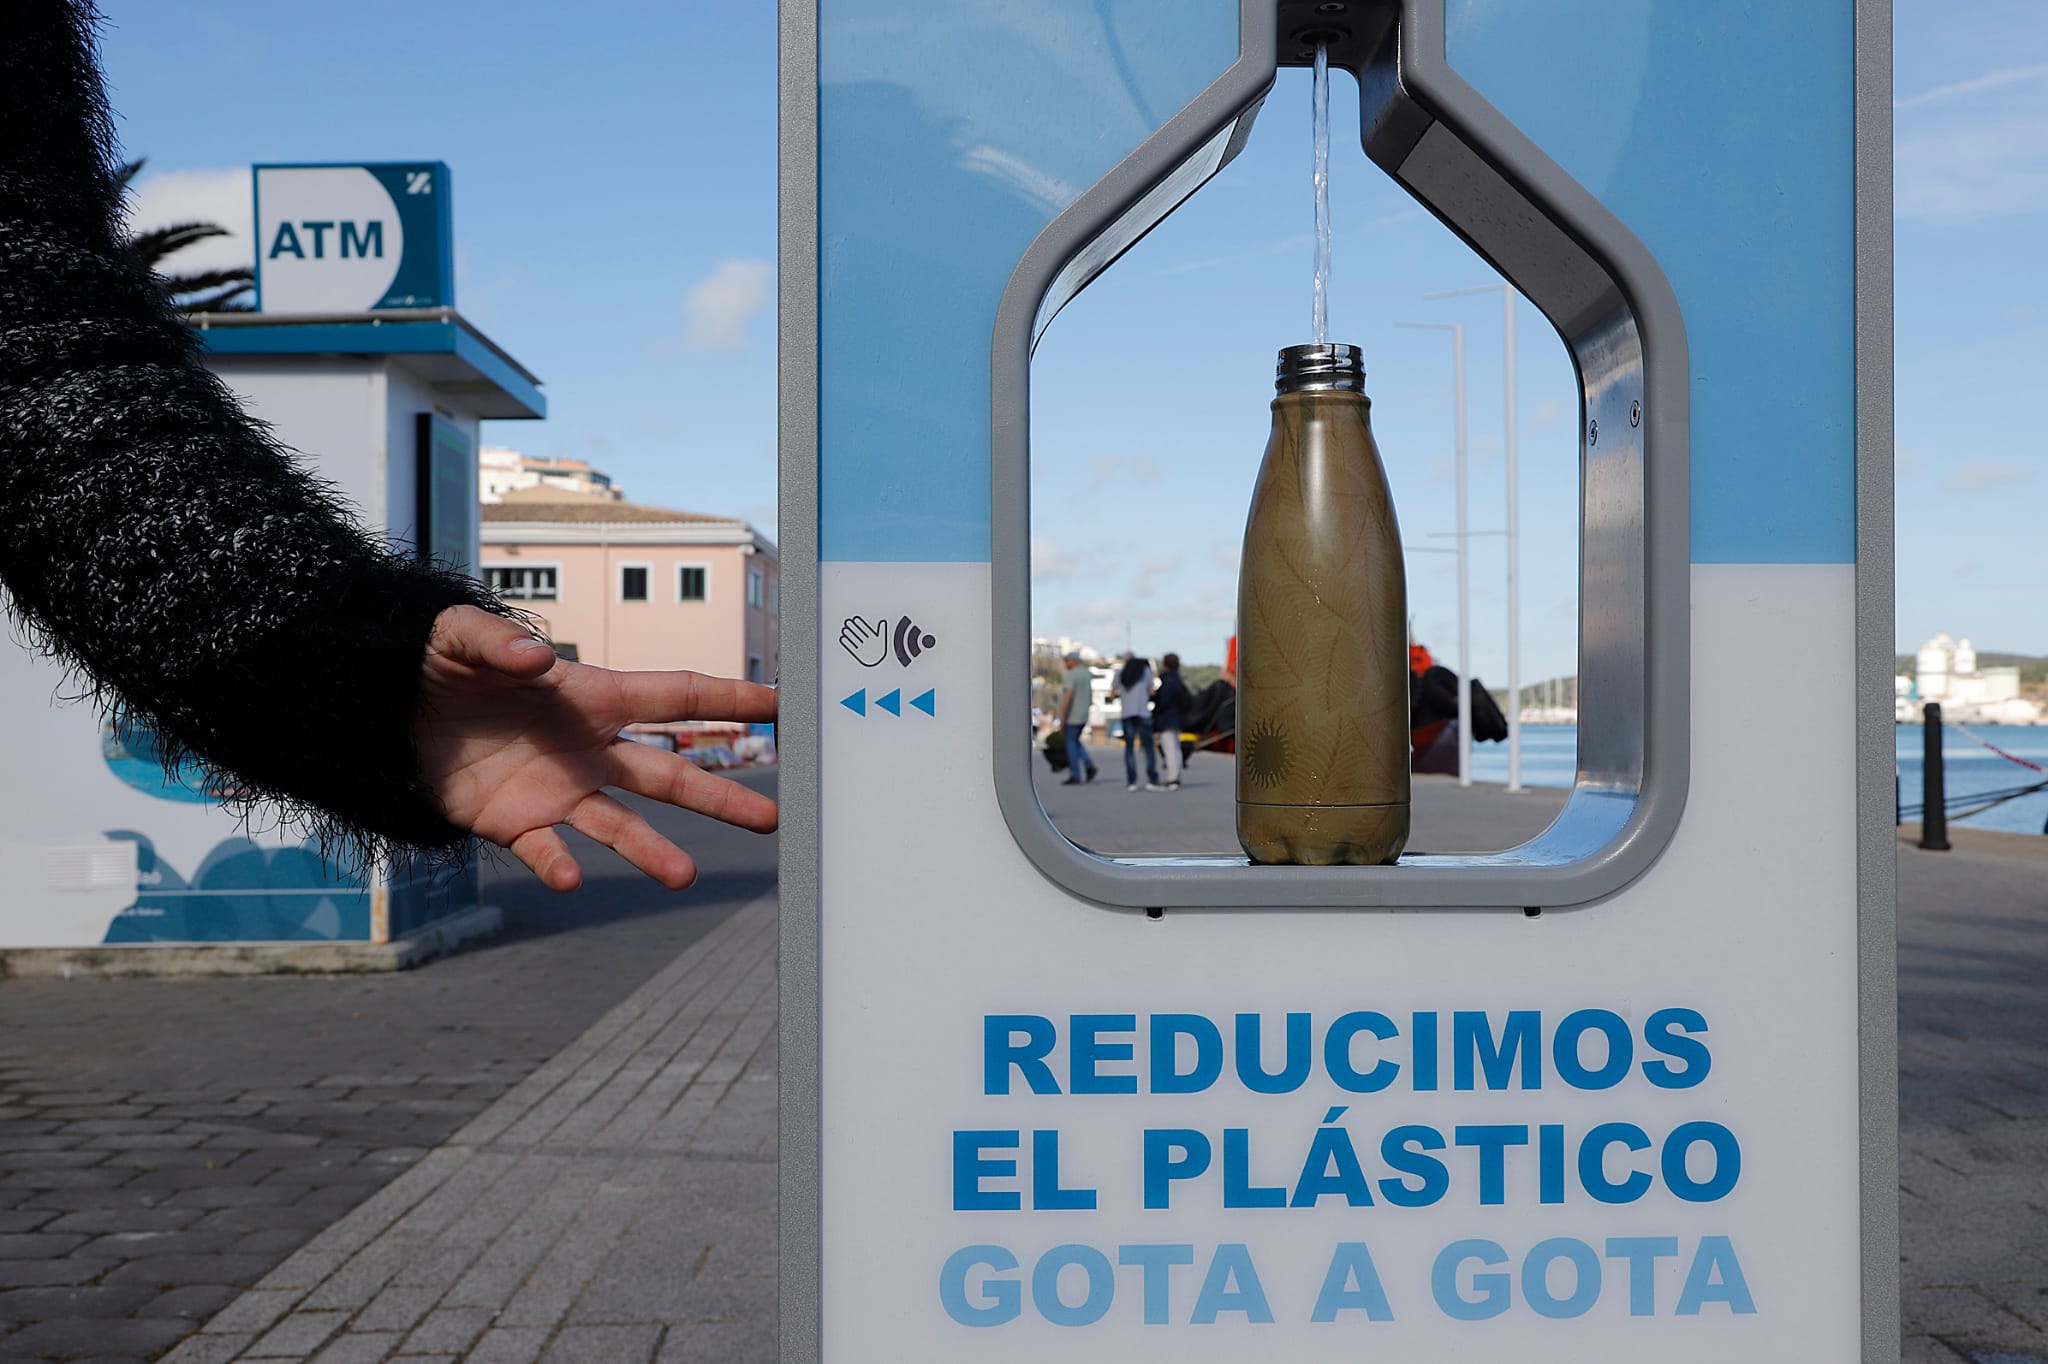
[
  {"x": 514, "y": 741},
  {"x": 869, "y": 644}
]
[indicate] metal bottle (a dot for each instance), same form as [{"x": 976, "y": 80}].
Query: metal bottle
[{"x": 1322, "y": 608}]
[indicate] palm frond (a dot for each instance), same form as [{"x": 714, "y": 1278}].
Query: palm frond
[
  {"x": 230, "y": 300},
  {"x": 152, "y": 246},
  {"x": 179, "y": 285},
  {"x": 198, "y": 291}
]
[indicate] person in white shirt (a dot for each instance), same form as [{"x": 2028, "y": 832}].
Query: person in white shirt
[{"x": 1132, "y": 687}]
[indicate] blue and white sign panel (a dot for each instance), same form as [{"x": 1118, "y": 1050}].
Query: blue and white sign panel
[
  {"x": 356, "y": 238},
  {"x": 1047, "y": 1129}
]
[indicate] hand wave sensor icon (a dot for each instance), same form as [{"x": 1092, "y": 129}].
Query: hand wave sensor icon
[{"x": 868, "y": 642}]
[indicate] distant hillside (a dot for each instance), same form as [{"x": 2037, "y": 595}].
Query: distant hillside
[{"x": 2033, "y": 667}]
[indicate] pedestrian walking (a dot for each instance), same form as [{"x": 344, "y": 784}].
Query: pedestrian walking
[
  {"x": 1171, "y": 703},
  {"x": 1077, "y": 693},
  {"x": 1133, "y": 688}
]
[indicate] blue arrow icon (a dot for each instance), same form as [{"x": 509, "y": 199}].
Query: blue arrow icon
[
  {"x": 928, "y": 703},
  {"x": 893, "y": 702},
  {"x": 857, "y": 703}
]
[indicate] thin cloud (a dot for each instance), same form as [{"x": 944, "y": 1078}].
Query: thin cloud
[
  {"x": 718, "y": 307},
  {"x": 1978, "y": 474},
  {"x": 1975, "y": 148},
  {"x": 1106, "y": 469},
  {"x": 1983, "y": 168},
  {"x": 1050, "y": 559},
  {"x": 1152, "y": 573},
  {"x": 1975, "y": 85}
]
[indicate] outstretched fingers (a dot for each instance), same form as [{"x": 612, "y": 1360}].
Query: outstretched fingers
[
  {"x": 666, "y": 777},
  {"x": 661, "y": 697},
  {"x": 547, "y": 856},
  {"x": 605, "y": 819},
  {"x": 481, "y": 640}
]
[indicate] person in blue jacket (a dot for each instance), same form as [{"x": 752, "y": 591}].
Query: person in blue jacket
[{"x": 1170, "y": 706}]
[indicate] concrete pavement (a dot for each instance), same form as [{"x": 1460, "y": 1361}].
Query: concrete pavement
[
  {"x": 1973, "y": 1099},
  {"x": 164, "y": 1144},
  {"x": 1201, "y": 817},
  {"x": 617, "y": 1206},
  {"x": 617, "y": 1203}
]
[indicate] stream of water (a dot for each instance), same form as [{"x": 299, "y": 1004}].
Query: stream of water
[{"x": 1322, "y": 174}]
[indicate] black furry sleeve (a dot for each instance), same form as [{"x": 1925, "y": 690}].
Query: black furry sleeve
[{"x": 152, "y": 534}]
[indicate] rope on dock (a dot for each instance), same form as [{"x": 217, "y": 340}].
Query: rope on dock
[
  {"x": 2009, "y": 757},
  {"x": 1988, "y": 800}
]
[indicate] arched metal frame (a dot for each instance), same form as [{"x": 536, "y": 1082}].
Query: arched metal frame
[{"x": 1598, "y": 285}]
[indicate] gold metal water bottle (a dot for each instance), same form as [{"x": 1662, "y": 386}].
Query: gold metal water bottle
[{"x": 1322, "y": 608}]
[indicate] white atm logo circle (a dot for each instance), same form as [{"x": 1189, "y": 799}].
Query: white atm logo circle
[{"x": 329, "y": 238}]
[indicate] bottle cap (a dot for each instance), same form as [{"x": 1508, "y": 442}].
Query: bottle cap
[{"x": 1320, "y": 368}]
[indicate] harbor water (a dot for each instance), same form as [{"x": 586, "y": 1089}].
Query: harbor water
[{"x": 1550, "y": 754}]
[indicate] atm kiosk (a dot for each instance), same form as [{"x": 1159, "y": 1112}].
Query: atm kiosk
[
  {"x": 358, "y": 361},
  {"x": 1622, "y": 1092}
]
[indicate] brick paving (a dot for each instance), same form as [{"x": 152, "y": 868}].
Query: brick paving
[
  {"x": 616, "y": 1206},
  {"x": 1973, "y": 1099},
  {"x": 617, "y": 1203},
  {"x": 165, "y": 1144}
]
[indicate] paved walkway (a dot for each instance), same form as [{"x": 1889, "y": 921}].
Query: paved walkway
[
  {"x": 164, "y": 1144},
  {"x": 1201, "y": 817},
  {"x": 617, "y": 1206},
  {"x": 1973, "y": 1098}
]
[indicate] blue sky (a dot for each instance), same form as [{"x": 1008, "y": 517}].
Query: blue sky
[{"x": 615, "y": 218}]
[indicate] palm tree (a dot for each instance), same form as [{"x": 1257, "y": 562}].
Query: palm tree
[{"x": 202, "y": 291}]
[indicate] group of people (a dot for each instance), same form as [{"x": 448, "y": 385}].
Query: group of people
[{"x": 1148, "y": 703}]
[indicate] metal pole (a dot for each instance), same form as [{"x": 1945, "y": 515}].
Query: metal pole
[
  {"x": 1933, "y": 804},
  {"x": 1457, "y": 331},
  {"x": 1507, "y": 303},
  {"x": 1464, "y": 567}
]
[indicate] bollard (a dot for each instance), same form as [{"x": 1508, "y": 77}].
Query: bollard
[{"x": 1933, "y": 810}]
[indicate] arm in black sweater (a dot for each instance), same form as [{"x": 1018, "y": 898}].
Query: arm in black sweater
[{"x": 156, "y": 537}]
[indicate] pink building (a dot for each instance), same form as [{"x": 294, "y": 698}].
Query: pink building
[{"x": 634, "y": 587}]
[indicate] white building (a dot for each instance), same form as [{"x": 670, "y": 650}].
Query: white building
[
  {"x": 1946, "y": 670},
  {"x": 500, "y": 471},
  {"x": 1061, "y": 646}
]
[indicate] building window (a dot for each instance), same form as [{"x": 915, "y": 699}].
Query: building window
[
  {"x": 755, "y": 584},
  {"x": 633, "y": 582},
  {"x": 753, "y": 667},
  {"x": 522, "y": 582},
  {"x": 693, "y": 582}
]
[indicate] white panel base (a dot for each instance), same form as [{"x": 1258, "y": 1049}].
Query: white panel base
[{"x": 933, "y": 919}]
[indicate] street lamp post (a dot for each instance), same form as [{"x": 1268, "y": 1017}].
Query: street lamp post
[
  {"x": 1507, "y": 310},
  {"x": 1457, "y": 332}
]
